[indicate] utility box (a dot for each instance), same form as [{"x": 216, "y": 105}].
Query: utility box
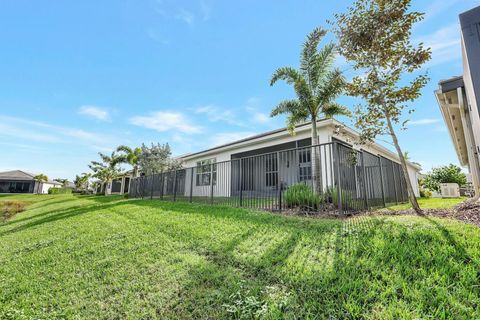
[{"x": 450, "y": 190}]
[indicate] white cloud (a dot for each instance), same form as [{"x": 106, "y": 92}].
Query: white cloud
[
  {"x": 206, "y": 10},
  {"x": 26, "y": 134},
  {"x": 186, "y": 16},
  {"x": 216, "y": 114},
  {"x": 94, "y": 112},
  {"x": 45, "y": 132},
  {"x": 425, "y": 121},
  {"x": 253, "y": 106},
  {"x": 228, "y": 137},
  {"x": 165, "y": 121},
  {"x": 445, "y": 44}
]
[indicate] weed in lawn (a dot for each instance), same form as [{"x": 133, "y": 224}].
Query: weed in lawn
[{"x": 10, "y": 208}]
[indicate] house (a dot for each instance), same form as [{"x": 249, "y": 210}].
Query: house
[
  {"x": 118, "y": 186},
  {"x": 273, "y": 161},
  {"x": 18, "y": 181},
  {"x": 459, "y": 99}
]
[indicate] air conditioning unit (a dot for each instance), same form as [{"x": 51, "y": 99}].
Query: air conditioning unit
[{"x": 450, "y": 190}]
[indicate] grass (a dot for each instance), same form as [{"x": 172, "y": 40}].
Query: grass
[
  {"x": 110, "y": 258},
  {"x": 430, "y": 203}
]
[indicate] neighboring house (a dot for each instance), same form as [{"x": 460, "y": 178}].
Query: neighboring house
[
  {"x": 117, "y": 186},
  {"x": 18, "y": 181},
  {"x": 459, "y": 98},
  {"x": 261, "y": 163}
]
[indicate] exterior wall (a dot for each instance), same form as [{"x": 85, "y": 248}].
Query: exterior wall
[
  {"x": 288, "y": 171},
  {"x": 223, "y": 187},
  {"x": 470, "y": 24},
  {"x": 45, "y": 186}
]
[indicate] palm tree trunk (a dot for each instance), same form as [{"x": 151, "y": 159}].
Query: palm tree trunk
[
  {"x": 411, "y": 194},
  {"x": 316, "y": 157}
]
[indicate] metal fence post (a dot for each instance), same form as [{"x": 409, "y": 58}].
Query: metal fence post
[
  {"x": 394, "y": 182},
  {"x": 381, "y": 181},
  {"x": 211, "y": 183},
  {"x": 175, "y": 186},
  {"x": 336, "y": 163},
  {"x": 364, "y": 180},
  {"x": 162, "y": 187},
  {"x": 240, "y": 169},
  {"x": 280, "y": 196},
  {"x": 191, "y": 186},
  {"x": 143, "y": 187},
  {"x": 151, "y": 185}
]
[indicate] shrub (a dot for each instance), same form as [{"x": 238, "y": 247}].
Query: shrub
[
  {"x": 445, "y": 174},
  {"x": 10, "y": 208},
  {"x": 59, "y": 191},
  {"x": 425, "y": 193},
  {"x": 303, "y": 196}
]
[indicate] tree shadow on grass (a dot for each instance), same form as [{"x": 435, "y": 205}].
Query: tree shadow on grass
[
  {"x": 462, "y": 253},
  {"x": 239, "y": 214},
  {"x": 56, "y": 216}
]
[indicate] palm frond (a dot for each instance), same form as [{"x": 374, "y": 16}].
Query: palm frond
[
  {"x": 285, "y": 107},
  {"x": 323, "y": 63},
  {"x": 310, "y": 48},
  {"x": 288, "y": 74},
  {"x": 335, "y": 109}
]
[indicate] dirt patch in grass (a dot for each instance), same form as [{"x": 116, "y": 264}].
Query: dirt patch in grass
[
  {"x": 10, "y": 208},
  {"x": 468, "y": 212}
]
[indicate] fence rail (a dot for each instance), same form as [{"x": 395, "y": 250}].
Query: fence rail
[{"x": 324, "y": 177}]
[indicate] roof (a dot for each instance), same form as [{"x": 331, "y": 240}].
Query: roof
[
  {"x": 19, "y": 175},
  {"x": 258, "y": 136},
  {"x": 450, "y": 84},
  {"x": 16, "y": 175},
  {"x": 450, "y": 107},
  {"x": 303, "y": 126}
]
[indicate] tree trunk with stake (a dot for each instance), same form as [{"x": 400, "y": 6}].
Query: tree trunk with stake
[{"x": 403, "y": 162}]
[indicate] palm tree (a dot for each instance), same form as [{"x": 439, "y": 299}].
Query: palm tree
[
  {"x": 81, "y": 182},
  {"x": 131, "y": 156},
  {"x": 317, "y": 84},
  {"x": 107, "y": 170},
  {"x": 40, "y": 178}
]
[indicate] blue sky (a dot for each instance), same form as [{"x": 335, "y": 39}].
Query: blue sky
[{"x": 79, "y": 77}]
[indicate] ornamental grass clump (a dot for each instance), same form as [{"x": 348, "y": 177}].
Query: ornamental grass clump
[
  {"x": 302, "y": 196},
  {"x": 10, "y": 208}
]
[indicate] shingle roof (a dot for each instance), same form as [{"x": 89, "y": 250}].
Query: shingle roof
[
  {"x": 16, "y": 175},
  {"x": 19, "y": 175}
]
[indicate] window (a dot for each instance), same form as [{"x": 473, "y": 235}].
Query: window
[
  {"x": 305, "y": 165},
  {"x": 205, "y": 168},
  {"x": 271, "y": 170}
]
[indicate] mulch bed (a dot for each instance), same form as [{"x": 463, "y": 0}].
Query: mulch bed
[{"x": 468, "y": 212}]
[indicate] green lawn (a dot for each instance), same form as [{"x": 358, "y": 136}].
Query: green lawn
[
  {"x": 110, "y": 258},
  {"x": 430, "y": 203}
]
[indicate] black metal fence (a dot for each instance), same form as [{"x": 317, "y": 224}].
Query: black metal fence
[{"x": 325, "y": 177}]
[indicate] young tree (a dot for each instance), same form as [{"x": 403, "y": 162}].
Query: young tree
[
  {"x": 157, "y": 158},
  {"x": 107, "y": 170},
  {"x": 131, "y": 156},
  {"x": 444, "y": 174},
  {"x": 64, "y": 182},
  {"x": 317, "y": 84},
  {"x": 375, "y": 36},
  {"x": 40, "y": 179},
  {"x": 81, "y": 182}
]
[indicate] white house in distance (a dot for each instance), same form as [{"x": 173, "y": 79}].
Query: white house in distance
[
  {"x": 265, "y": 161},
  {"x": 459, "y": 98},
  {"x": 18, "y": 181}
]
